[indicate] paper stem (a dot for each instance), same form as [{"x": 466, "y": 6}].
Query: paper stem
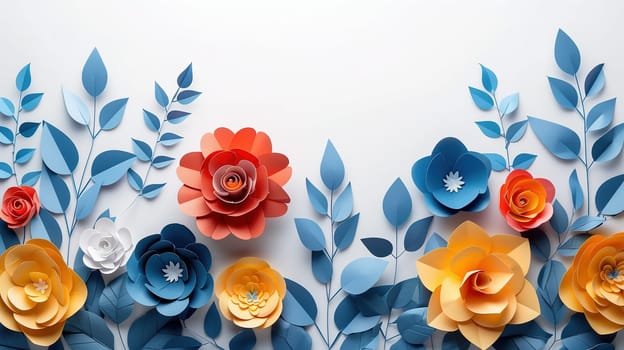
[
  {"x": 16, "y": 119},
  {"x": 121, "y": 338},
  {"x": 585, "y": 157},
  {"x": 503, "y": 132}
]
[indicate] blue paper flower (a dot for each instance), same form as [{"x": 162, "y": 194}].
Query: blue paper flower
[
  {"x": 453, "y": 179},
  {"x": 170, "y": 271}
]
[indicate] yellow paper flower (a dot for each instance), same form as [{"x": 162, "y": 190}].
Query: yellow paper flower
[
  {"x": 38, "y": 291},
  {"x": 250, "y": 293},
  {"x": 594, "y": 283},
  {"x": 478, "y": 284}
]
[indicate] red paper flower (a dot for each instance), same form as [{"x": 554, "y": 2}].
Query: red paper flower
[
  {"x": 526, "y": 202},
  {"x": 233, "y": 183},
  {"x": 19, "y": 205}
]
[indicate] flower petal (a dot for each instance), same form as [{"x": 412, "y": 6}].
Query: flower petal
[
  {"x": 189, "y": 170},
  {"x": 469, "y": 234},
  {"x": 482, "y": 337},
  {"x": 434, "y": 267},
  {"x": 436, "y": 318},
  {"x": 262, "y": 144}
]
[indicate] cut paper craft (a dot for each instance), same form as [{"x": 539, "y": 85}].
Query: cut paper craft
[
  {"x": 19, "y": 206},
  {"x": 105, "y": 247},
  {"x": 526, "y": 202}
]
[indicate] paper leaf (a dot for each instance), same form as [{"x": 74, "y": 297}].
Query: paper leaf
[
  {"x": 28, "y": 129},
  {"x": 488, "y": 79},
  {"x": 576, "y": 190},
  {"x": 343, "y": 206},
  {"x": 412, "y": 325},
  {"x": 416, "y": 234},
  {"x": 379, "y": 247},
  {"x": 110, "y": 166},
  {"x": 212, "y": 322},
  {"x": 144, "y": 328},
  {"x": 409, "y": 291},
  {"x": 609, "y": 145},
  {"x": 610, "y": 196},
  {"x": 151, "y": 121},
  {"x": 481, "y": 98},
  {"x": 5, "y": 171},
  {"x": 561, "y": 141},
  {"x": 564, "y": 93},
  {"x": 161, "y": 95},
  {"x": 299, "y": 307},
  {"x": 601, "y": 115},
  {"x": 310, "y": 234},
  {"x": 373, "y": 302},
  {"x": 527, "y": 336},
  {"x": 317, "y": 198},
  {"x": 186, "y": 77},
  {"x": 7, "y": 238},
  {"x": 509, "y": 104},
  {"x": 497, "y": 161},
  {"x": 435, "y": 241},
  {"x": 95, "y": 286},
  {"x": 23, "y": 79},
  {"x": 345, "y": 312},
  {"x": 94, "y": 76},
  {"x": 86, "y": 330},
  {"x": 361, "y": 341},
  {"x": 31, "y": 178},
  {"x": 53, "y": 192},
  {"x": 166, "y": 341},
  {"x": 115, "y": 302},
  {"x": 455, "y": 341},
  {"x": 361, "y": 274},
  {"x": 6, "y": 107},
  {"x": 112, "y": 113},
  {"x": 76, "y": 108},
  {"x": 86, "y": 201},
  {"x": 332, "y": 168},
  {"x": 24, "y": 155},
  {"x": 539, "y": 242},
  {"x": 187, "y": 96},
  {"x": 44, "y": 226},
  {"x": 578, "y": 334},
  {"x": 243, "y": 340},
  {"x": 549, "y": 280},
  {"x": 559, "y": 220},
  {"x": 361, "y": 323},
  {"x": 345, "y": 232},
  {"x": 595, "y": 81},
  {"x": 177, "y": 117},
  {"x": 31, "y": 101},
  {"x": 169, "y": 139},
  {"x": 322, "y": 267},
  {"x": 80, "y": 268},
  {"x": 567, "y": 55},
  {"x": 397, "y": 203},
  {"x": 523, "y": 161},
  {"x": 135, "y": 180},
  {"x": 152, "y": 190},
  {"x": 586, "y": 223},
  {"x": 6, "y": 136},
  {"x": 160, "y": 162},
  {"x": 142, "y": 150},
  {"x": 516, "y": 131},
  {"x": 285, "y": 336},
  {"x": 489, "y": 128},
  {"x": 58, "y": 152},
  {"x": 571, "y": 246}
]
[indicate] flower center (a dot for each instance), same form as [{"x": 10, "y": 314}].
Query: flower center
[
  {"x": 41, "y": 286},
  {"x": 252, "y": 296},
  {"x": 172, "y": 272},
  {"x": 104, "y": 244},
  {"x": 613, "y": 274},
  {"x": 453, "y": 182}
]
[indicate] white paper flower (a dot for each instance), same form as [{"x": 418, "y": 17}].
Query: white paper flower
[{"x": 105, "y": 247}]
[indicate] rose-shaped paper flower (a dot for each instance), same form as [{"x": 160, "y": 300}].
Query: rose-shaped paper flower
[
  {"x": 525, "y": 202},
  {"x": 453, "y": 179},
  {"x": 170, "y": 271},
  {"x": 19, "y": 205},
  {"x": 594, "y": 283},
  {"x": 105, "y": 247},
  {"x": 250, "y": 293},
  {"x": 478, "y": 284},
  {"x": 38, "y": 291},
  {"x": 233, "y": 183}
]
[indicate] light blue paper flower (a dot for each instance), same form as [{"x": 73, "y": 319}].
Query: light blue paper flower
[
  {"x": 170, "y": 271},
  {"x": 453, "y": 179}
]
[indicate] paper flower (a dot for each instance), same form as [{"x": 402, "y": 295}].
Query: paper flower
[
  {"x": 478, "y": 284},
  {"x": 170, "y": 271},
  {"x": 233, "y": 183},
  {"x": 19, "y": 205},
  {"x": 453, "y": 179},
  {"x": 526, "y": 202},
  {"x": 594, "y": 283},
  {"x": 250, "y": 293},
  {"x": 38, "y": 291},
  {"x": 105, "y": 247}
]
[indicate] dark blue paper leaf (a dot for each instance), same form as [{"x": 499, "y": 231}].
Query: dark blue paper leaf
[
  {"x": 509, "y": 104},
  {"x": 361, "y": 274},
  {"x": 578, "y": 334},
  {"x": 586, "y": 223},
  {"x": 564, "y": 93},
  {"x": 435, "y": 241},
  {"x": 345, "y": 232},
  {"x": 95, "y": 286},
  {"x": 332, "y": 168},
  {"x": 10, "y": 340},
  {"x": 567, "y": 55},
  {"x": 112, "y": 113},
  {"x": 243, "y": 340},
  {"x": 80, "y": 268},
  {"x": 516, "y": 131},
  {"x": 161, "y": 95},
  {"x": 212, "y": 322},
  {"x": 169, "y": 139},
  {"x": 135, "y": 180},
  {"x": 58, "y": 152},
  {"x": 412, "y": 325},
  {"x": 177, "y": 117},
  {"x": 343, "y": 206},
  {"x": 345, "y": 312},
  {"x": 115, "y": 302},
  {"x": 540, "y": 244},
  {"x": 142, "y": 150},
  {"x": 31, "y": 178},
  {"x": 322, "y": 267},
  {"x": 24, "y": 155},
  {"x": 549, "y": 280},
  {"x": 151, "y": 121},
  {"x": 144, "y": 328},
  {"x": 497, "y": 161},
  {"x": 601, "y": 115},
  {"x": 317, "y": 198},
  {"x": 31, "y": 101},
  {"x": 481, "y": 98},
  {"x": 86, "y": 201},
  {"x": 397, "y": 203},
  {"x": 523, "y": 161},
  {"x": 455, "y": 341},
  {"x": 23, "y": 79},
  {"x": 285, "y": 336},
  {"x": 28, "y": 129},
  {"x": 6, "y": 136},
  {"x": 361, "y": 323},
  {"x": 6, "y": 107},
  {"x": 488, "y": 79},
  {"x": 373, "y": 302},
  {"x": 417, "y": 233},
  {"x": 561, "y": 141},
  {"x": 187, "y": 96},
  {"x": 595, "y": 81},
  {"x": 44, "y": 226},
  {"x": 166, "y": 341},
  {"x": 110, "y": 166},
  {"x": 610, "y": 196},
  {"x": 609, "y": 145},
  {"x": 299, "y": 307},
  {"x": 86, "y": 330},
  {"x": 489, "y": 128},
  {"x": 7, "y": 238},
  {"x": 310, "y": 234},
  {"x": 559, "y": 220},
  {"x": 76, "y": 108},
  {"x": 379, "y": 247},
  {"x": 160, "y": 162},
  {"x": 186, "y": 77},
  {"x": 576, "y": 190},
  {"x": 5, "y": 171},
  {"x": 53, "y": 192},
  {"x": 152, "y": 190},
  {"x": 571, "y": 246},
  {"x": 409, "y": 292},
  {"x": 94, "y": 76},
  {"x": 527, "y": 336}
]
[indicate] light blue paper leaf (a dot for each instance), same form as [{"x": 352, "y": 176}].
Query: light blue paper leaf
[
  {"x": 187, "y": 96},
  {"x": 489, "y": 128},
  {"x": 455, "y": 341},
  {"x": 416, "y": 234},
  {"x": 76, "y": 108},
  {"x": 243, "y": 340},
  {"x": 561, "y": 141},
  {"x": 601, "y": 115},
  {"x": 412, "y": 325},
  {"x": 609, "y": 145},
  {"x": 86, "y": 201},
  {"x": 6, "y": 107},
  {"x": 212, "y": 322},
  {"x": 576, "y": 190},
  {"x": 310, "y": 234},
  {"x": 586, "y": 223},
  {"x": 595, "y": 81},
  {"x": 31, "y": 178},
  {"x": 6, "y": 136},
  {"x": 86, "y": 330},
  {"x": 481, "y": 98},
  {"x": 142, "y": 150},
  {"x": 379, "y": 247},
  {"x": 186, "y": 77},
  {"x": 435, "y": 241},
  {"x": 110, "y": 166},
  {"x": 28, "y": 129},
  {"x": 285, "y": 336},
  {"x": 23, "y": 79},
  {"x": 368, "y": 340},
  {"x": 151, "y": 121},
  {"x": 58, "y": 152},
  {"x": 31, "y": 101},
  {"x": 578, "y": 334},
  {"x": 397, "y": 203},
  {"x": 161, "y": 95},
  {"x": 46, "y": 227},
  {"x": 94, "y": 75},
  {"x": 497, "y": 161},
  {"x": 567, "y": 55},
  {"x": 549, "y": 280},
  {"x": 610, "y": 196},
  {"x": 516, "y": 131},
  {"x": 24, "y": 155},
  {"x": 509, "y": 104},
  {"x": 559, "y": 219},
  {"x": 160, "y": 162},
  {"x": 527, "y": 336},
  {"x": 345, "y": 232},
  {"x": 5, "y": 171},
  {"x": 152, "y": 190},
  {"x": 177, "y": 117},
  {"x": 409, "y": 292},
  {"x": 53, "y": 192},
  {"x": 571, "y": 246},
  {"x": 540, "y": 244},
  {"x": 332, "y": 168},
  {"x": 361, "y": 274},
  {"x": 169, "y": 139},
  {"x": 322, "y": 267},
  {"x": 523, "y": 161},
  {"x": 112, "y": 113},
  {"x": 144, "y": 328},
  {"x": 564, "y": 93},
  {"x": 115, "y": 302},
  {"x": 135, "y": 180},
  {"x": 488, "y": 79},
  {"x": 299, "y": 307},
  {"x": 343, "y": 206},
  {"x": 361, "y": 323},
  {"x": 317, "y": 198}
]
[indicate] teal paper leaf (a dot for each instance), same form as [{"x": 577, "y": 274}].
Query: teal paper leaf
[
  {"x": 243, "y": 340},
  {"x": 497, "y": 161},
  {"x": 110, "y": 166},
  {"x": 539, "y": 242},
  {"x": 397, "y": 203},
  {"x": 435, "y": 241},
  {"x": 317, "y": 198},
  {"x": 186, "y": 77},
  {"x": 527, "y": 336},
  {"x": 46, "y": 227},
  {"x": 489, "y": 128},
  {"x": 5, "y": 171},
  {"x": 576, "y": 190},
  {"x": 285, "y": 336},
  {"x": 31, "y": 178},
  {"x": 559, "y": 220},
  {"x": 58, "y": 151},
  {"x": 509, "y": 104},
  {"x": 516, "y": 131},
  {"x": 595, "y": 81},
  {"x": 24, "y": 155},
  {"x": 161, "y": 95},
  {"x": 112, "y": 113},
  {"x": 571, "y": 246},
  {"x": 160, "y": 162},
  {"x": 345, "y": 232},
  {"x": 6, "y": 136},
  {"x": 416, "y": 234},
  {"x": 567, "y": 54},
  {"x": 187, "y": 96},
  {"x": 586, "y": 223},
  {"x": 152, "y": 190},
  {"x": 481, "y": 98},
  {"x": 310, "y": 234},
  {"x": 31, "y": 101},
  {"x": 549, "y": 280},
  {"x": 601, "y": 115},
  {"x": 609, "y": 145},
  {"x": 76, "y": 108},
  {"x": 322, "y": 267},
  {"x": 23, "y": 79},
  {"x": 564, "y": 93},
  {"x": 177, "y": 117},
  {"x": 523, "y": 161},
  {"x": 135, "y": 180},
  {"x": 86, "y": 201},
  {"x": 28, "y": 129},
  {"x": 86, "y": 330},
  {"x": 94, "y": 75},
  {"x": 578, "y": 334},
  {"x": 361, "y": 274},
  {"x": 488, "y": 79},
  {"x": 332, "y": 168},
  {"x": 343, "y": 206},
  {"x": 379, "y": 247},
  {"x": 151, "y": 121},
  {"x": 6, "y": 107},
  {"x": 561, "y": 141},
  {"x": 412, "y": 325},
  {"x": 115, "y": 302},
  {"x": 53, "y": 192},
  {"x": 212, "y": 322},
  {"x": 610, "y": 196},
  {"x": 299, "y": 307},
  {"x": 169, "y": 139}
]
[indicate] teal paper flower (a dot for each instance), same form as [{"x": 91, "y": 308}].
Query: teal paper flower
[{"x": 453, "y": 179}]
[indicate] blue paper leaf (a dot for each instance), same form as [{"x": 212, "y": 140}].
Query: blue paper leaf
[
  {"x": 86, "y": 201},
  {"x": 169, "y": 139},
  {"x": 379, "y": 247},
  {"x": 110, "y": 166},
  {"x": 332, "y": 168},
  {"x": 489, "y": 128},
  {"x": 76, "y": 108},
  {"x": 373, "y": 302},
  {"x": 10, "y": 340},
  {"x": 516, "y": 131},
  {"x": 317, "y": 198},
  {"x": 6, "y": 107},
  {"x": 285, "y": 336},
  {"x": 7, "y": 238},
  {"x": 86, "y": 330},
  {"x": 435, "y": 241},
  {"x": 23, "y": 79},
  {"x": 578, "y": 334},
  {"x": 44, "y": 226},
  {"x": 527, "y": 336},
  {"x": 5, "y": 171},
  {"x": 152, "y": 190},
  {"x": 576, "y": 190},
  {"x": 561, "y": 141},
  {"x": 549, "y": 280},
  {"x": 177, "y": 117},
  {"x": 80, "y": 268},
  {"x": 540, "y": 244},
  {"x": 31, "y": 178},
  {"x": 595, "y": 81},
  {"x": 322, "y": 267},
  {"x": 187, "y": 96},
  {"x": 28, "y": 129},
  {"x": 94, "y": 76},
  {"x": 601, "y": 115},
  {"x": 363, "y": 341},
  {"x": 135, "y": 180},
  {"x": 488, "y": 79},
  {"x": 571, "y": 246},
  {"x": 343, "y": 206},
  {"x": 24, "y": 155},
  {"x": 166, "y": 341},
  {"x": 564, "y": 93},
  {"x": 609, "y": 145},
  {"x": 481, "y": 98},
  {"x": 160, "y": 162},
  {"x": 243, "y": 340},
  {"x": 412, "y": 325},
  {"x": 361, "y": 274},
  {"x": 212, "y": 322},
  {"x": 567, "y": 55},
  {"x": 610, "y": 196},
  {"x": 161, "y": 95},
  {"x": 6, "y": 136},
  {"x": 509, "y": 104},
  {"x": 559, "y": 219},
  {"x": 586, "y": 223},
  {"x": 31, "y": 101},
  {"x": 497, "y": 161},
  {"x": 345, "y": 312},
  {"x": 95, "y": 286},
  {"x": 142, "y": 150},
  {"x": 310, "y": 234},
  {"x": 455, "y": 341},
  {"x": 58, "y": 152},
  {"x": 299, "y": 307},
  {"x": 523, "y": 161},
  {"x": 115, "y": 302},
  {"x": 417, "y": 233},
  {"x": 151, "y": 121},
  {"x": 361, "y": 323},
  {"x": 144, "y": 328},
  {"x": 409, "y": 292},
  {"x": 397, "y": 203},
  {"x": 112, "y": 113},
  {"x": 345, "y": 232},
  {"x": 186, "y": 77},
  {"x": 53, "y": 192}
]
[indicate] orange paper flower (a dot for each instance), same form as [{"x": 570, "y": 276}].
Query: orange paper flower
[
  {"x": 38, "y": 291},
  {"x": 526, "y": 202},
  {"x": 478, "y": 284},
  {"x": 233, "y": 183},
  {"x": 250, "y": 293},
  {"x": 19, "y": 205},
  {"x": 594, "y": 283}
]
